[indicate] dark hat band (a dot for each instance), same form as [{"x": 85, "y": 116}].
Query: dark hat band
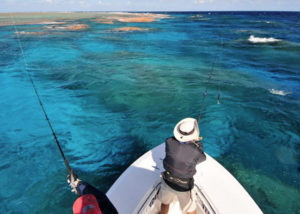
[{"x": 185, "y": 133}]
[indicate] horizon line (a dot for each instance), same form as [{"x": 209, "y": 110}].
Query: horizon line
[{"x": 156, "y": 11}]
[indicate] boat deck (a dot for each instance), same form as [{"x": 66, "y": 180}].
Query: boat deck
[{"x": 135, "y": 191}]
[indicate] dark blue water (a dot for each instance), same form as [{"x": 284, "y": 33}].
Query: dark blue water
[{"x": 111, "y": 96}]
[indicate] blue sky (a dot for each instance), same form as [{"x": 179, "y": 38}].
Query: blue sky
[{"x": 146, "y": 5}]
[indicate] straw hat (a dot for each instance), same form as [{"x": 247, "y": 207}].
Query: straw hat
[{"x": 186, "y": 130}]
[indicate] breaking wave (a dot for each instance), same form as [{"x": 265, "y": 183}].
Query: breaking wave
[
  {"x": 254, "y": 39},
  {"x": 279, "y": 92}
]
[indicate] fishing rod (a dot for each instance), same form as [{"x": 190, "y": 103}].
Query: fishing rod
[
  {"x": 70, "y": 171},
  {"x": 208, "y": 80}
]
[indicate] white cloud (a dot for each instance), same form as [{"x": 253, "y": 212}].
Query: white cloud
[
  {"x": 100, "y": 2},
  {"x": 83, "y": 3},
  {"x": 203, "y": 1},
  {"x": 199, "y": 1}
]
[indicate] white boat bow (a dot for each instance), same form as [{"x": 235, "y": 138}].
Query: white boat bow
[{"x": 217, "y": 191}]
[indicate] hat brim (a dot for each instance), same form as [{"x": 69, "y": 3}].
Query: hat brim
[{"x": 185, "y": 138}]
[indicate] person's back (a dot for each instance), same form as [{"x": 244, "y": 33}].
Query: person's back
[
  {"x": 183, "y": 152},
  {"x": 182, "y": 157}
]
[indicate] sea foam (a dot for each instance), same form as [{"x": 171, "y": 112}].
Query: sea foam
[
  {"x": 279, "y": 92},
  {"x": 254, "y": 39}
]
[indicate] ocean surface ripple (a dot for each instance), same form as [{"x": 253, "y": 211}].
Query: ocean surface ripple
[{"x": 115, "y": 87}]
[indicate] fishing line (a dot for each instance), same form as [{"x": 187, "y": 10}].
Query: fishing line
[
  {"x": 39, "y": 99},
  {"x": 208, "y": 80},
  {"x": 219, "y": 91},
  {"x": 205, "y": 92}
]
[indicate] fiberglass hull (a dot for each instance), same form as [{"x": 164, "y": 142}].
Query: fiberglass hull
[{"x": 217, "y": 191}]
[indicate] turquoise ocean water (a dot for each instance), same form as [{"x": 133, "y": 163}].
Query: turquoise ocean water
[{"x": 111, "y": 96}]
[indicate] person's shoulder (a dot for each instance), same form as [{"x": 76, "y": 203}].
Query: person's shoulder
[
  {"x": 170, "y": 139},
  {"x": 171, "y": 142}
]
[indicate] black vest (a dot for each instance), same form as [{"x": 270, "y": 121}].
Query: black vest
[{"x": 180, "y": 163}]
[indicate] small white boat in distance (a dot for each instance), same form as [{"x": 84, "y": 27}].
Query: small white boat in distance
[{"x": 217, "y": 191}]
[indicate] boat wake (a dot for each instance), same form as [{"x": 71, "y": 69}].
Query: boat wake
[
  {"x": 254, "y": 39},
  {"x": 279, "y": 92}
]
